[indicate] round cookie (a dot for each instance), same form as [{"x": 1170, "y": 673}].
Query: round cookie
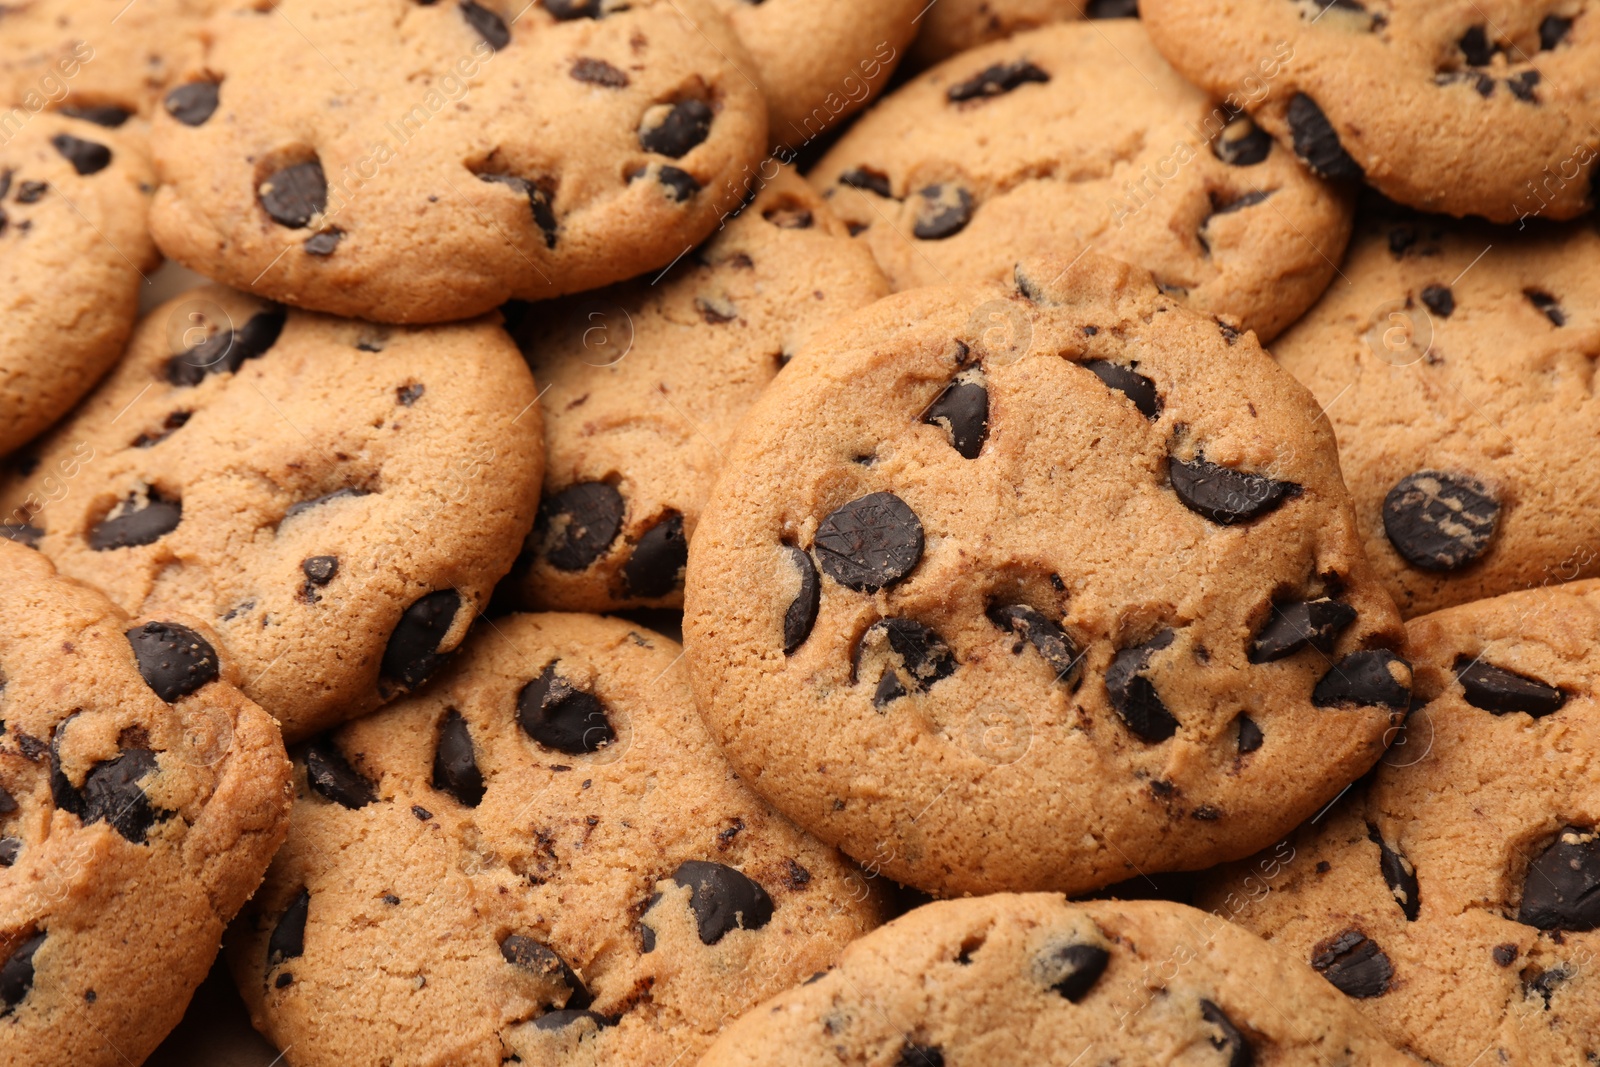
[
  {"x": 985, "y": 563},
  {"x": 337, "y": 500},
  {"x": 1456, "y": 368},
  {"x": 540, "y": 858},
  {"x": 819, "y": 63},
  {"x": 73, "y": 244},
  {"x": 1454, "y": 897},
  {"x": 645, "y": 383},
  {"x": 141, "y": 797},
  {"x": 1080, "y": 136},
  {"x": 952, "y": 26},
  {"x": 1469, "y": 107},
  {"x": 435, "y": 160},
  {"x": 1014, "y": 981}
]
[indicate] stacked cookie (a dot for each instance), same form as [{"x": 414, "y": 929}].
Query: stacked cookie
[{"x": 660, "y": 539}]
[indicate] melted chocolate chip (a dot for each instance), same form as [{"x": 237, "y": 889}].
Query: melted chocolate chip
[
  {"x": 330, "y": 774},
  {"x": 21, "y": 532},
  {"x": 1134, "y": 696},
  {"x": 1303, "y": 624},
  {"x": 1354, "y": 964},
  {"x": 1130, "y": 383},
  {"x": 1439, "y": 521},
  {"x": 16, "y": 974},
  {"x": 655, "y": 567},
  {"x": 173, "y": 660},
  {"x": 455, "y": 766},
  {"x": 134, "y": 525},
  {"x": 540, "y": 204},
  {"x": 598, "y": 72},
  {"x": 540, "y": 959},
  {"x": 963, "y": 410},
  {"x": 86, "y": 157},
  {"x": 1044, "y": 634},
  {"x": 111, "y": 793},
  {"x": 866, "y": 178},
  {"x": 1242, "y": 143},
  {"x": 558, "y": 715},
  {"x": 579, "y": 523},
  {"x": 1562, "y": 889},
  {"x": 288, "y": 940},
  {"x": 1229, "y": 1040},
  {"x": 412, "y": 654},
  {"x": 1501, "y": 691},
  {"x": 924, "y": 658},
  {"x": 194, "y": 103},
  {"x": 943, "y": 211},
  {"x": 1224, "y": 495},
  {"x": 722, "y": 899},
  {"x": 683, "y": 127},
  {"x": 1439, "y": 300},
  {"x": 491, "y": 27},
  {"x": 1364, "y": 679},
  {"x": 227, "y": 350},
  {"x": 869, "y": 543},
  {"x": 1317, "y": 143},
  {"x": 801, "y": 615},
  {"x": 1072, "y": 969},
  {"x": 995, "y": 80},
  {"x": 295, "y": 195},
  {"x": 1398, "y": 874}
]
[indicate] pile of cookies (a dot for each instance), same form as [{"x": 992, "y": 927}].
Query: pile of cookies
[{"x": 985, "y": 532}]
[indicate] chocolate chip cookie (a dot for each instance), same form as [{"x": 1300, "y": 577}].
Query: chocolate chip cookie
[
  {"x": 1011, "y": 980},
  {"x": 1468, "y": 107},
  {"x": 425, "y": 162},
  {"x": 820, "y": 63},
  {"x": 73, "y": 244},
  {"x": 141, "y": 797},
  {"x": 644, "y": 384},
  {"x": 541, "y": 858},
  {"x": 1456, "y": 898},
  {"x": 1081, "y": 136},
  {"x": 336, "y": 499},
  {"x": 952, "y": 26},
  {"x": 987, "y": 563},
  {"x": 1457, "y": 368}
]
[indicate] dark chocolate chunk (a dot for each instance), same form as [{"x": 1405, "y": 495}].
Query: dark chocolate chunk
[
  {"x": 944, "y": 211},
  {"x": 21, "y": 532},
  {"x": 412, "y": 654},
  {"x": 887, "y": 690},
  {"x": 330, "y": 774},
  {"x": 1354, "y": 964},
  {"x": 173, "y": 660},
  {"x": 111, "y": 793},
  {"x": 963, "y": 410},
  {"x": 16, "y": 974},
  {"x": 1250, "y": 735},
  {"x": 558, "y": 715},
  {"x": 1523, "y": 87},
  {"x": 1044, "y": 634},
  {"x": 541, "y": 960},
  {"x": 8, "y": 803},
  {"x": 455, "y": 766},
  {"x": 86, "y": 157},
  {"x": 288, "y": 940},
  {"x": 722, "y": 899},
  {"x": 655, "y": 567},
  {"x": 1475, "y": 46},
  {"x": 1242, "y": 143},
  {"x": 323, "y": 244},
  {"x": 1547, "y": 304},
  {"x": 1224, "y": 495},
  {"x": 869, "y": 543},
  {"x": 1130, "y": 383},
  {"x": 10, "y": 848},
  {"x": 683, "y": 127},
  {"x": 227, "y": 350},
  {"x": 1439, "y": 521},
  {"x": 1317, "y": 143},
  {"x": 801, "y": 615},
  {"x": 995, "y": 80},
  {"x": 1500, "y": 691},
  {"x": 866, "y": 178},
  {"x": 680, "y": 184},
  {"x": 1134, "y": 696},
  {"x": 578, "y": 524},
  {"x": 540, "y": 203},
  {"x": 1397, "y": 873},
  {"x": 295, "y": 195},
  {"x": 319, "y": 570},
  {"x": 1303, "y": 624},
  {"x": 1562, "y": 889},
  {"x": 1364, "y": 679},
  {"x": 565, "y": 1017},
  {"x": 598, "y": 72},
  {"x": 924, "y": 658},
  {"x": 1072, "y": 969},
  {"x": 1439, "y": 300},
  {"x": 407, "y": 395},
  {"x": 133, "y": 525},
  {"x": 915, "y": 1055},
  {"x": 491, "y": 27},
  {"x": 422, "y": 813},
  {"x": 108, "y": 115},
  {"x": 1553, "y": 30},
  {"x": 194, "y": 103},
  {"x": 1229, "y": 1040}
]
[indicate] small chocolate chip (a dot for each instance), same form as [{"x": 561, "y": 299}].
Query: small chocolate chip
[
  {"x": 1317, "y": 143},
  {"x": 1501, "y": 691},
  {"x": 422, "y": 813},
  {"x": 1553, "y": 30},
  {"x": 10, "y": 848},
  {"x": 1439, "y": 521},
  {"x": 331, "y": 776},
  {"x": 295, "y": 195},
  {"x": 1242, "y": 143},
  {"x": 412, "y": 654},
  {"x": 1130, "y": 383},
  {"x": 655, "y": 567},
  {"x": 558, "y": 715},
  {"x": 869, "y": 543},
  {"x": 21, "y": 532},
  {"x": 288, "y": 940},
  {"x": 228, "y": 350},
  {"x": 685, "y": 125},
  {"x": 1505, "y": 955},
  {"x": 598, "y": 72},
  {"x": 1562, "y": 888},
  {"x": 1044, "y": 634},
  {"x": 1224, "y": 495},
  {"x": 579, "y": 523},
  {"x": 1354, "y": 964},
  {"x": 173, "y": 660},
  {"x": 915, "y": 1055},
  {"x": 407, "y": 395},
  {"x": 943, "y": 211},
  {"x": 1398, "y": 874},
  {"x": 1229, "y": 1040},
  {"x": 134, "y": 525},
  {"x": 1475, "y": 47},
  {"x": 194, "y": 103},
  {"x": 872, "y": 181},
  {"x": 16, "y": 974},
  {"x": 995, "y": 80},
  {"x": 86, "y": 157},
  {"x": 455, "y": 765},
  {"x": 1134, "y": 696},
  {"x": 491, "y": 27},
  {"x": 8, "y": 803},
  {"x": 924, "y": 658},
  {"x": 722, "y": 899},
  {"x": 1303, "y": 624},
  {"x": 1250, "y": 736},
  {"x": 1523, "y": 87},
  {"x": 963, "y": 410},
  {"x": 564, "y": 10},
  {"x": 540, "y": 959},
  {"x": 323, "y": 244},
  {"x": 679, "y": 184},
  {"x": 1072, "y": 969},
  {"x": 540, "y": 203},
  {"x": 1547, "y": 304},
  {"x": 801, "y": 614},
  {"x": 1439, "y": 300},
  {"x": 1364, "y": 679},
  {"x": 107, "y": 115},
  {"x": 319, "y": 570},
  {"x": 31, "y": 192}
]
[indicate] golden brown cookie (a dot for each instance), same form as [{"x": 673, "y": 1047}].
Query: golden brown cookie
[{"x": 951, "y": 26}]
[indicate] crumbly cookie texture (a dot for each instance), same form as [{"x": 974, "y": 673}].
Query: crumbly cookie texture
[
  {"x": 336, "y": 499},
  {"x": 1080, "y": 136},
  {"x": 820, "y": 63},
  {"x": 1454, "y": 898},
  {"x": 542, "y": 858},
  {"x": 644, "y": 384},
  {"x": 435, "y": 160},
  {"x": 988, "y": 563},
  {"x": 1468, "y": 107},
  {"x": 141, "y": 797},
  {"x": 1447, "y": 356},
  {"x": 73, "y": 200},
  {"x": 1016, "y": 980}
]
